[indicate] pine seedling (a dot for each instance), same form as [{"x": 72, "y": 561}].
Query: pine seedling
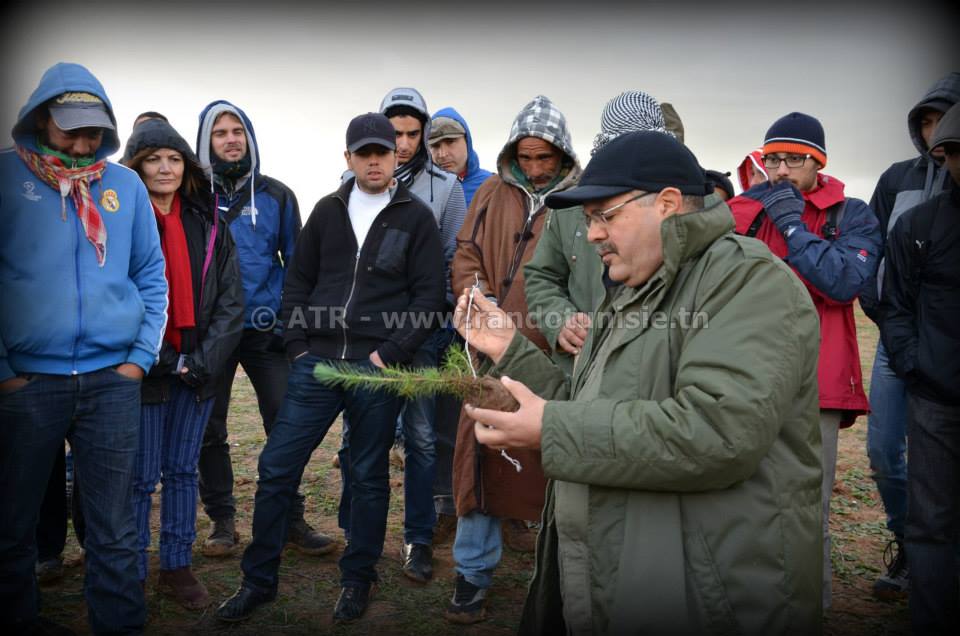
[{"x": 454, "y": 377}]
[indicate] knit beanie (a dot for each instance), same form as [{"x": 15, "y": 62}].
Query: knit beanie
[{"x": 797, "y": 133}]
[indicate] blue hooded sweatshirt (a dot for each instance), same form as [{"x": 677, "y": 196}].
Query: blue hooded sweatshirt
[
  {"x": 475, "y": 174},
  {"x": 64, "y": 314},
  {"x": 265, "y": 233}
]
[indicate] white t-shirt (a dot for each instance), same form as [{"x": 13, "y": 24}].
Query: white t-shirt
[{"x": 363, "y": 209}]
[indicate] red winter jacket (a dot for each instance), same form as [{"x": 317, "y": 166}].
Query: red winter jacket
[{"x": 833, "y": 272}]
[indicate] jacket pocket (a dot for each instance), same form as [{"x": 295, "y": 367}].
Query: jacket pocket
[
  {"x": 392, "y": 255},
  {"x": 717, "y": 614}
]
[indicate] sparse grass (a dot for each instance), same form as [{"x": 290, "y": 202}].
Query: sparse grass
[{"x": 309, "y": 586}]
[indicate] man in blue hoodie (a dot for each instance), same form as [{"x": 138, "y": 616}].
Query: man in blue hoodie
[
  {"x": 81, "y": 324},
  {"x": 451, "y": 146},
  {"x": 264, "y": 219},
  {"x": 901, "y": 187}
]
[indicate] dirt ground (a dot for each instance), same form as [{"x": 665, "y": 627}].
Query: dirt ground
[{"x": 309, "y": 585}]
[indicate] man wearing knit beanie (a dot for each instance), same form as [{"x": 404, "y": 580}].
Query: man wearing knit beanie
[
  {"x": 832, "y": 242},
  {"x": 902, "y": 186}
]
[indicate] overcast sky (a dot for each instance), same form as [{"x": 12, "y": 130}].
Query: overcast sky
[{"x": 302, "y": 73}]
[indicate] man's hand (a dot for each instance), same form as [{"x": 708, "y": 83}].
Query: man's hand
[
  {"x": 520, "y": 429},
  {"x": 377, "y": 362},
  {"x": 784, "y": 205},
  {"x": 130, "y": 370},
  {"x": 12, "y": 384},
  {"x": 491, "y": 329},
  {"x": 574, "y": 333}
]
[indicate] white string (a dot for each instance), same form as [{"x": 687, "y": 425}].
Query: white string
[{"x": 466, "y": 344}]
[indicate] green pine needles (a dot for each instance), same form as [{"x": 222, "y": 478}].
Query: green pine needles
[{"x": 453, "y": 377}]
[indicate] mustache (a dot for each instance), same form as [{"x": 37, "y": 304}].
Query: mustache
[{"x": 606, "y": 248}]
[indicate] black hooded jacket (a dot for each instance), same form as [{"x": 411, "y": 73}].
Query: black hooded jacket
[
  {"x": 909, "y": 183},
  {"x": 920, "y": 305},
  {"x": 217, "y": 292}
]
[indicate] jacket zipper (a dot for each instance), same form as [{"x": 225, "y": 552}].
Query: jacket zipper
[
  {"x": 356, "y": 267},
  {"x": 346, "y": 305},
  {"x": 76, "y": 270}
]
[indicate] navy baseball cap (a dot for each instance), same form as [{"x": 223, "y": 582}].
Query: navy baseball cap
[{"x": 371, "y": 128}]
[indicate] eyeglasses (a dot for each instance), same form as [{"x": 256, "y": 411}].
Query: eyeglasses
[
  {"x": 603, "y": 216},
  {"x": 772, "y": 162}
]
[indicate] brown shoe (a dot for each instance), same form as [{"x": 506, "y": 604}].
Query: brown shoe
[
  {"x": 445, "y": 529},
  {"x": 184, "y": 587},
  {"x": 519, "y": 536},
  {"x": 223, "y": 541}
]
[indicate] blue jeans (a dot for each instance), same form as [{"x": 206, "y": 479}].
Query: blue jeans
[
  {"x": 420, "y": 462},
  {"x": 887, "y": 440},
  {"x": 99, "y": 413},
  {"x": 477, "y": 548},
  {"x": 933, "y": 515},
  {"x": 170, "y": 436},
  {"x": 308, "y": 410}
]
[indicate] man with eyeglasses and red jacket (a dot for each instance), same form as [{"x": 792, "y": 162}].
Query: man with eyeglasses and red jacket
[{"x": 832, "y": 242}]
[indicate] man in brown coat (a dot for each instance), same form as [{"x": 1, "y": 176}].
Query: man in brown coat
[{"x": 506, "y": 218}]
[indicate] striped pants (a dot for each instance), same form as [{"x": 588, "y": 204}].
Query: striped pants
[{"x": 170, "y": 437}]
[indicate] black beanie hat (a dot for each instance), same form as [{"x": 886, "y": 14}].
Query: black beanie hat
[
  {"x": 797, "y": 133},
  {"x": 644, "y": 160}
]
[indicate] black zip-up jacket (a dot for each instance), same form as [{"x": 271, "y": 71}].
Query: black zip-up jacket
[
  {"x": 219, "y": 316},
  {"x": 920, "y": 304},
  {"x": 343, "y": 305}
]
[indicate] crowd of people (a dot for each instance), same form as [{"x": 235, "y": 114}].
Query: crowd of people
[{"x": 682, "y": 359}]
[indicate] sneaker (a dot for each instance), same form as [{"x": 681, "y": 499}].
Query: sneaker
[
  {"x": 303, "y": 537},
  {"x": 520, "y": 536},
  {"x": 468, "y": 604},
  {"x": 223, "y": 541},
  {"x": 417, "y": 561},
  {"x": 895, "y": 584},
  {"x": 184, "y": 588},
  {"x": 353, "y": 602},
  {"x": 240, "y": 606},
  {"x": 49, "y": 571},
  {"x": 445, "y": 528}
]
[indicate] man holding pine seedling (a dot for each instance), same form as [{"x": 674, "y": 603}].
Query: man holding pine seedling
[
  {"x": 684, "y": 452},
  {"x": 368, "y": 266}
]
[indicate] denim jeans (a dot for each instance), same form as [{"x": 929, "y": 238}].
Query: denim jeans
[
  {"x": 477, "y": 548},
  {"x": 170, "y": 436},
  {"x": 99, "y": 413},
  {"x": 267, "y": 370},
  {"x": 52, "y": 527},
  {"x": 446, "y": 420},
  {"x": 420, "y": 461},
  {"x": 933, "y": 514},
  {"x": 887, "y": 440},
  {"x": 308, "y": 410}
]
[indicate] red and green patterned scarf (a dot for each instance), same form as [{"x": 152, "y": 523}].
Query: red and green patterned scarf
[{"x": 74, "y": 182}]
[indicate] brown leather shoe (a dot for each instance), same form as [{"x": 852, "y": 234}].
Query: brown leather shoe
[
  {"x": 519, "y": 536},
  {"x": 183, "y": 586}
]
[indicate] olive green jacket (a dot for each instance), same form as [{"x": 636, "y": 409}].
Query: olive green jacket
[
  {"x": 684, "y": 459},
  {"x": 565, "y": 276}
]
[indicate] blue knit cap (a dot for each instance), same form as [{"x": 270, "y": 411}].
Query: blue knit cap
[{"x": 797, "y": 133}]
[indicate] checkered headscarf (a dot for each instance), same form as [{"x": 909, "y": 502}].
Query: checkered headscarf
[
  {"x": 541, "y": 119},
  {"x": 630, "y": 111}
]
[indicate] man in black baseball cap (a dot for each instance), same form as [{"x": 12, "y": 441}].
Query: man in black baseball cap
[
  {"x": 372, "y": 248},
  {"x": 691, "y": 414}
]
